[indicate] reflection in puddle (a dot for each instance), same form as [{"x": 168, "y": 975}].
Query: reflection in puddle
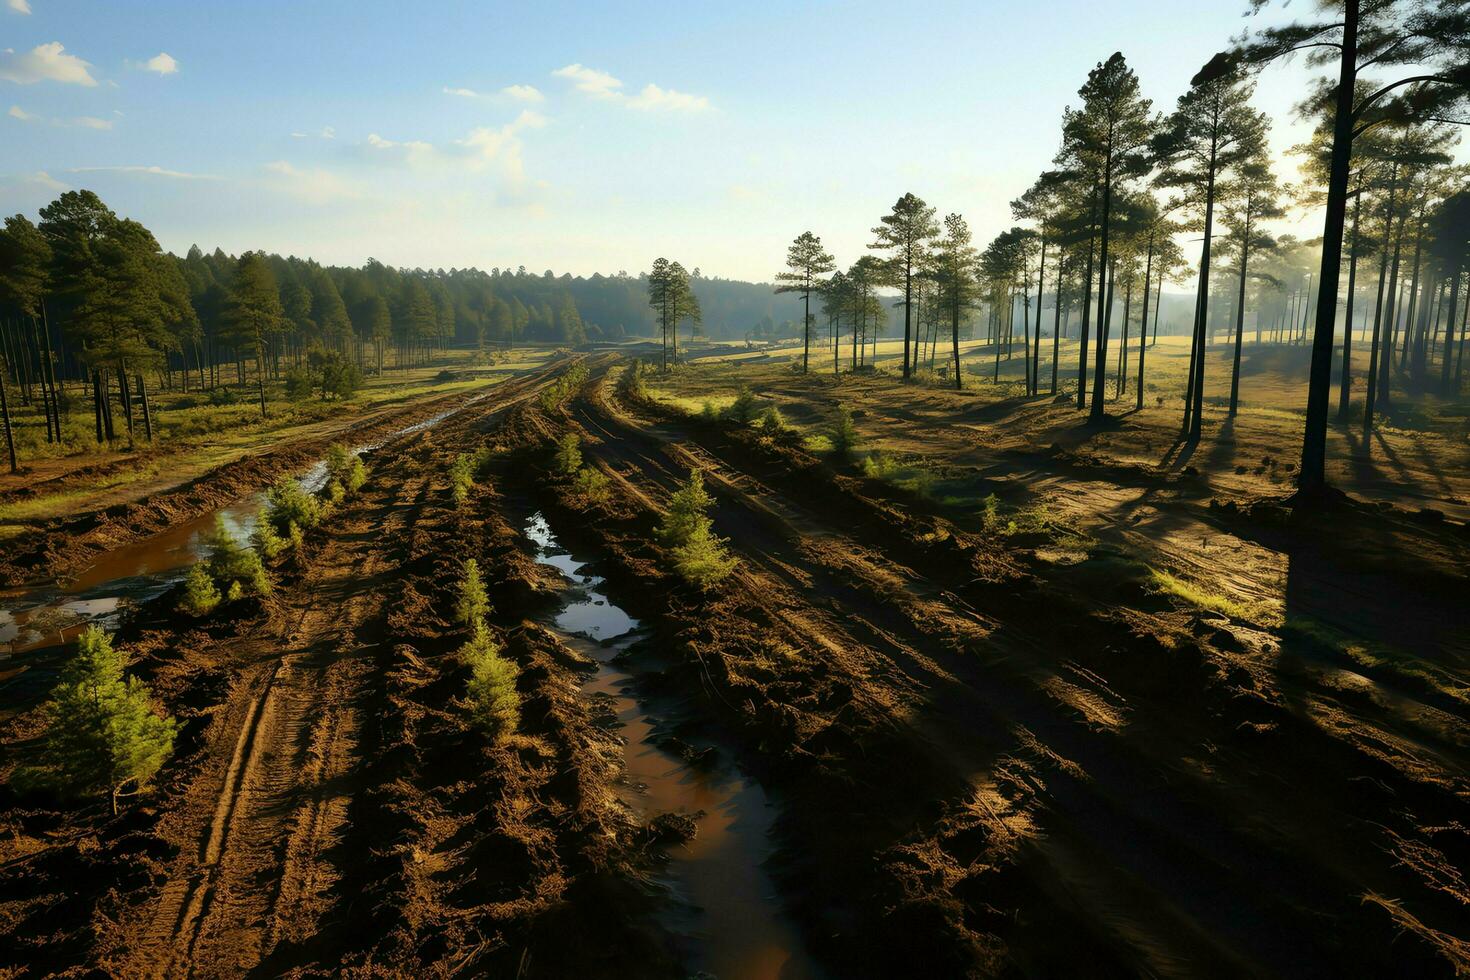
[
  {"x": 136, "y": 573},
  {"x": 732, "y": 917}
]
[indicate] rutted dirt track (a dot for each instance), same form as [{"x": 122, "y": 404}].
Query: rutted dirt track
[{"x": 986, "y": 762}]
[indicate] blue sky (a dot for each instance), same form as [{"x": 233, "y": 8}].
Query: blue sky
[{"x": 579, "y": 137}]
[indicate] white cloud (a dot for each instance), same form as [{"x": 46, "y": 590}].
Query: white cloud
[
  {"x": 149, "y": 171},
  {"x": 329, "y": 133},
  {"x": 598, "y": 84},
  {"x": 86, "y": 122},
  {"x": 488, "y": 145},
  {"x": 413, "y": 152},
  {"x": 666, "y": 99},
  {"x": 19, "y": 6},
  {"x": 601, "y": 85},
  {"x": 315, "y": 186},
  {"x": 299, "y": 136},
  {"x": 519, "y": 93},
  {"x": 37, "y": 178},
  {"x": 524, "y": 93},
  {"x": 45, "y": 62},
  {"x": 162, "y": 63}
]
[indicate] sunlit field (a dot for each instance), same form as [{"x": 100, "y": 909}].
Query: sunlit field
[{"x": 830, "y": 491}]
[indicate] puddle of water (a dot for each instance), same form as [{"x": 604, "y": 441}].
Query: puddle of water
[
  {"x": 733, "y": 919},
  {"x": 140, "y": 571}
]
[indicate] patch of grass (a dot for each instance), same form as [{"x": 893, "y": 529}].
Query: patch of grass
[
  {"x": 906, "y": 476},
  {"x": 1198, "y": 596},
  {"x": 1376, "y": 657},
  {"x": 691, "y": 405}
]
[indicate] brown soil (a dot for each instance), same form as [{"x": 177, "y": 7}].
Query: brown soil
[
  {"x": 996, "y": 748},
  {"x": 65, "y": 545}
]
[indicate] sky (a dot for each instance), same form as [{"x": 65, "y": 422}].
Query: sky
[{"x": 578, "y": 137}]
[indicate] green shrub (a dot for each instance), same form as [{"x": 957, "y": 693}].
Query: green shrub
[
  {"x": 590, "y": 483},
  {"x": 773, "y": 423},
  {"x": 699, "y": 557},
  {"x": 568, "y": 454},
  {"x": 742, "y": 410},
  {"x": 686, "y": 509},
  {"x": 555, "y": 394},
  {"x": 100, "y": 732},
  {"x": 345, "y": 468},
  {"x": 844, "y": 434},
  {"x": 334, "y": 493},
  {"x": 298, "y": 385},
  {"x": 633, "y": 382},
  {"x": 268, "y": 542},
  {"x": 287, "y": 504},
  {"x": 702, "y": 560},
  {"x": 495, "y": 706},
  {"x": 473, "y": 604},
  {"x": 238, "y": 570},
  {"x": 200, "y": 593},
  {"x": 461, "y": 477},
  {"x": 709, "y": 413},
  {"x": 355, "y": 476}
]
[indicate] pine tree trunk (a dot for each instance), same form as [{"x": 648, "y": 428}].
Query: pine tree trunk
[
  {"x": 97, "y": 403},
  {"x": 1196, "y": 424},
  {"x": 5, "y": 413},
  {"x": 1245, "y": 248},
  {"x": 1056, "y": 327},
  {"x": 1345, "y": 383},
  {"x": 1312, "y": 475},
  {"x": 147, "y": 412},
  {"x": 1083, "y": 334}
]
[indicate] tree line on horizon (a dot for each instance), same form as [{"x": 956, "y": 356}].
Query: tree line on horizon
[
  {"x": 91, "y": 308},
  {"x": 1104, "y": 227}
]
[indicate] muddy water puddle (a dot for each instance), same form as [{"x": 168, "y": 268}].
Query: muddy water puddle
[
  {"x": 140, "y": 571},
  {"x": 727, "y": 910}
]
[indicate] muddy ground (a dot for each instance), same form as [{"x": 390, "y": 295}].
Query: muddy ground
[{"x": 997, "y": 745}]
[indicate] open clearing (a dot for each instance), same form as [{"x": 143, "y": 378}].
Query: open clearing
[{"x": 1016, "y": 696}]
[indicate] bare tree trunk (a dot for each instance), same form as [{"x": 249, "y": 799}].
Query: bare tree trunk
[
  {"x": 1346, "y": 383},
  {"x": 147, "y": 412},
  {"x": 5, "y": 413},
  {"x": 1245, "y": 248}
]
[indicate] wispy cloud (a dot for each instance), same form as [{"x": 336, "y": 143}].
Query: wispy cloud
[
  {"x": 19, "y": 6},
  {"x": 153, "y": 171},
  {"x": 36, "y": 178},
  {"x": 45, "y": 63},
  {"x": 653, "y": 98},
  {"x": 608, "y": 88},
  {"x": 524, "y": 93},
  {"x": 413, "y": 152},
  {"x": 85, "y": 122},
  {"x": 591, "y": 81},
  {"x": 162, "y": 63},
  {"x": 519, "y": 93},
  {"x": 314, "y": 186}
]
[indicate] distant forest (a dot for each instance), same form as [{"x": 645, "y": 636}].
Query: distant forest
[{"x": 85, "y": 293}]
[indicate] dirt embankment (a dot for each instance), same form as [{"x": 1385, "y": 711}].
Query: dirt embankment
[
  {"x": 1038, "y": 765},
  {"x": 329, "y": 802},
  {"x": 60, "y": 547}
]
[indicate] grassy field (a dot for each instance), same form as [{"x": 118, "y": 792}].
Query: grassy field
[
  {"x": 1419, "y": 455},
  {"x": 195, "y": 432}
]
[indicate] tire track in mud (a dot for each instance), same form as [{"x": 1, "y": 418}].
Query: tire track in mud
[
  {"x": 282, "y": 799},
  {"x": 296, "y": 738},
  {"x": 1169, "y": 878}
]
